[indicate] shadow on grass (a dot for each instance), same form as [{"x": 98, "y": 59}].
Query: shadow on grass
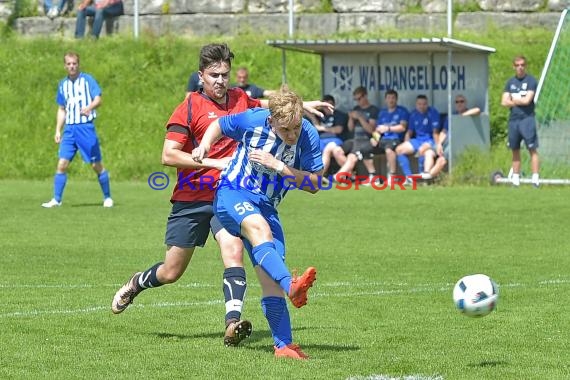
[
  {"x": 100, "y": 204},
  {"x": 257, "y": 336},
  {"x": 488, "y": 363}
]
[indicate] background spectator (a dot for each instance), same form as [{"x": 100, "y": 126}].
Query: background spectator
[
  {"x": 442, "y": 146},
  {"x": 330, "y": 127},
  {"x": 242, "y": 77},
  {"x": 518, "y": 96},
  {"x": 99, "y": 10},
  {"x": 52, "y": 11},
  {"x": 194, "y": 83},
  {"x": 423, "y": 127},
  {"x": 391, "y": 129},
  {"x": 361, "y": 120}
]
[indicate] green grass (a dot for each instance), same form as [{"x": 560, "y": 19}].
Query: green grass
[
  {"x": 144, "y": 80},
  {"x": 387, "y": 264}
]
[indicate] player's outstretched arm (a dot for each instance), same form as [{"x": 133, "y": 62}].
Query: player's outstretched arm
[
  {"x": 172, "y": 155},
  {"x": 212, "y": 134}
]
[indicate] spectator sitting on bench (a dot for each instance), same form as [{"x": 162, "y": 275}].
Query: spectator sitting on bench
[
  {"x": 361, "y": 120},
  {"x": 52, "y": 10},
  {"x": 392, "y": 124},
  {"x": 99, "y": 10},
  {"x": 442, "y": 146},
  {"x": 423, "y": 127},
  {"x": 331, "y": 127}
]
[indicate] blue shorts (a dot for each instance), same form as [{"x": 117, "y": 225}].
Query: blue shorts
[
  {"x": 417, "y": 143},
  {"x": 189, "y": 224},
  {"x": 80, "y": 137},
  {"x": 523, "y": 129},
  {"x": 232, "y": 206},
  {"x": 327, "y": 140}
]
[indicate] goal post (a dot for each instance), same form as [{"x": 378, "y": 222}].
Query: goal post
[{"x": 552, "y": 98}]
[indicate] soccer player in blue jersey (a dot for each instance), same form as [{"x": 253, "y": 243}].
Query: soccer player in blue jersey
[
  {"x": 392, "y": 124},
  {"x": 518, "y": 96},
  {"x": 423, "y": 127},
  {"x": 277, "y": 150},
  {"x": 192, "y": 216},
  {"x": 78, "y": 96}
]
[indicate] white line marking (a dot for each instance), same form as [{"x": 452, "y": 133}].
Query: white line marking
[
  {"x": 34, "y": 313},
  {"x": 381, "y": 292},
  {"x": 388, "y": 377}
]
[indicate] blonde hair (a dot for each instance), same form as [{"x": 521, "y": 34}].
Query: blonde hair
[
  {"x": 71, "y": 54},
  {"x": 286, "y": 107}
]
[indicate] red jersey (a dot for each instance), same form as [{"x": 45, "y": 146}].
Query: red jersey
[{"x": 195, "y": 114}]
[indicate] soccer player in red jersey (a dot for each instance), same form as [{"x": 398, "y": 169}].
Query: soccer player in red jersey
[{"x": 192, "y": 213}]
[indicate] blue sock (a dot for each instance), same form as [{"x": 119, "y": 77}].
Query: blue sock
[
  {"x": 421, "y": 160},
  {"x": 277, "y": 314},
  {"x": 234, "y": 287},
  {"x": 59, "y": 181},
  {"x": 404, "y": 164},
  {"x": 148, "y": 278},
  {"x": 104, "y": 182},
  {"x": 268, "y": 258}
]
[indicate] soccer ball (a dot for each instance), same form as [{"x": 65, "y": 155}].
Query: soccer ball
[{"x": 475, "y": 295}]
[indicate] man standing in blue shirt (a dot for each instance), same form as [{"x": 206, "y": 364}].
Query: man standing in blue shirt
[
  {"x": 78, "y": 96},
  {"x": 423, "y": 127},
  {"x": 278, "y": 150},
  {"x": 518, "y": 96}
]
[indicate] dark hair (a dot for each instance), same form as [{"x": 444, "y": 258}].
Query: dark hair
[
  {"x": 329, "y": 99},
  {"x": 421, "y": 96},
  {"x": 391, "y": 92},
  {"x": 213, "y": 53},
  {"x": 360, "y": 91}
]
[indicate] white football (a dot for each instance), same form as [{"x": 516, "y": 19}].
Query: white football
[{"x": 475, "y": 295}]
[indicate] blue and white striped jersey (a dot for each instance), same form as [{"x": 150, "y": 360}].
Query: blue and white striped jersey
[
  {"x": 75, "y": 95},
  {"x": 252, "y": 131}
]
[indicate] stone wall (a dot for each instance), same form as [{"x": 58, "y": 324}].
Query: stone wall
[{"x": 228, "y": 17}]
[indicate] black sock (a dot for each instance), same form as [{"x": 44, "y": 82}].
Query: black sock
[
  {"x": 234, "y": 286},
  {"x": 148, "y": 278}
]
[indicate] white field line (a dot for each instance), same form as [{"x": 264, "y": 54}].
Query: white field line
[
  {"x": 411, "y": 289},
  {"x": 388, "y": 377},
  {"x": 336, "y": 284}
]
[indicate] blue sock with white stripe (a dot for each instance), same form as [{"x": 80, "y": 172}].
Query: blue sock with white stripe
[
  {"x": 59, "y": 181},
  {"x": 277, "y": 314},
  {"x": 404, "y": 164},
  {"x": 234, "y": 286},
  {"x": 267, "y": 257},
  {"x": 104, "y": 182}
]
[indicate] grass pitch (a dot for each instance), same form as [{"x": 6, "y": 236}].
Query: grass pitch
[{"x": 381, "y": 307}]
